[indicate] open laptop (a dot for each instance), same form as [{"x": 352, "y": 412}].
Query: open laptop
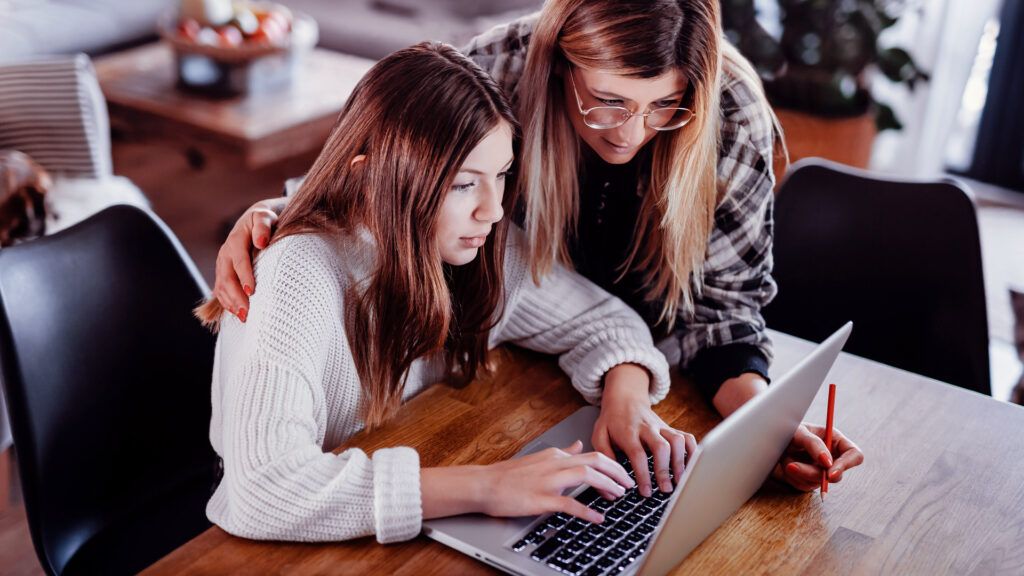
[{"x": 650, "y": 535}]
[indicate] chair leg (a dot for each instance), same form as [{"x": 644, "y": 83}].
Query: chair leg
[
  {"x": 1017, "y": 302},
  {"x": 5, "y": 480}
]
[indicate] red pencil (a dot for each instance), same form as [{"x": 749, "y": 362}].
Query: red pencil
[{"x": 828, "y": 435}]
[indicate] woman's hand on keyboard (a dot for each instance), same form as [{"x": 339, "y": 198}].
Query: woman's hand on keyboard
[{"x": 628, "y": 422}]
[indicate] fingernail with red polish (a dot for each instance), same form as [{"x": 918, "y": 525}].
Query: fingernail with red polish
[
  {"x": 263, "y": 241},
  {"x": 242, "y": 314},
  {"x": 826, "y": 459},
  {"x": 247, "y": 290}
]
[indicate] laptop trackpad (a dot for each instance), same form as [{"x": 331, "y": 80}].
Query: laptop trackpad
[{"x": 578, "y": 426}]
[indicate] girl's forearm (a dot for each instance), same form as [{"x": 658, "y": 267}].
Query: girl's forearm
[{"x": 451, "y": 490}]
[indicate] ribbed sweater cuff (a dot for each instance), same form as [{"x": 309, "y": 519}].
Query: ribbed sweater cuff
[
  {"x": 588, "y": 372},
  {"x": 397, "y": 504}
]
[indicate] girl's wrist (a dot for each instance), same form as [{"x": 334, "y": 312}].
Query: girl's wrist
[{"x": 452, "y": 490}]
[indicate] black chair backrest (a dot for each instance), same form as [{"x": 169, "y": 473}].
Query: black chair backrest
[
  {"x": 902, "y": 259},
  {"x": 107, "y": 378}
]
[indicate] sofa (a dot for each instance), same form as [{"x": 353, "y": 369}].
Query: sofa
[{"x": 368, "y": 28}]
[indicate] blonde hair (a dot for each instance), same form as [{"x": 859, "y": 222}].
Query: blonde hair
[{"x": 637, "y": 38}]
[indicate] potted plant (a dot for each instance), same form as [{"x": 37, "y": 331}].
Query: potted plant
[{"x": 817, "y": 73}]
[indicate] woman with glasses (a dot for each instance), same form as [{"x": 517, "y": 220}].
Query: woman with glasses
[{"x": 646, "y": 164}]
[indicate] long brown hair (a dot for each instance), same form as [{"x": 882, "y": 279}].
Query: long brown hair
[
  {"x": 642, "y": 39},
  {"x": 416, "y": 116}
]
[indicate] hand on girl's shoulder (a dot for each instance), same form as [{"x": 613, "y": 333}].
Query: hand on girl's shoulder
[
  {"x": 295, "y": 253},
  {"x": 302, "y": 271}
]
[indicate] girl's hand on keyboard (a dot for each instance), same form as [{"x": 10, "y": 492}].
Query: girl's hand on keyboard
[{"x": 534, "y": 484}]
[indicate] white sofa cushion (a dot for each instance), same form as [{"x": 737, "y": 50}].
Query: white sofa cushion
[
  {"x": 72, "y": 200},
  {"x": 40, "y": 27}
]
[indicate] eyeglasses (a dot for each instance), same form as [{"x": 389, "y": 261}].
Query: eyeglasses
[{"x": 606, "y": 117}]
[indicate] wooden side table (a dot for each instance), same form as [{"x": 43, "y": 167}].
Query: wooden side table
[
  {"x": 202, "y": 160},
  {"x": 139, "y": 86}
]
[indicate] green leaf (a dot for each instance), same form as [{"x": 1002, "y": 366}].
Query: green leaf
[
  {"x": 885, "y": 118},
  {"x": 898, "y": 66}
]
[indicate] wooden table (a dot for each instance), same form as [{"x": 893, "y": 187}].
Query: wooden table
[
  {"x": 941, "y": 491},
  {"x": 139, "y": 85}
]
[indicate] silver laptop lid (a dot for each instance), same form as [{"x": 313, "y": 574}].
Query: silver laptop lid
[{"x": 734, "y": 459}]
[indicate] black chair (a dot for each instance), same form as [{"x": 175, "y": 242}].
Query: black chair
[
  {"x": 902, "y": 259},
  {"x": 107, "y": 378}
]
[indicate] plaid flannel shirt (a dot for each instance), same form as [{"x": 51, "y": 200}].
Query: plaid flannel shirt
[{"x": 725, "y": 336}]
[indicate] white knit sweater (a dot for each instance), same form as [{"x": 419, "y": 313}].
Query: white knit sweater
[{"x": 286, "y": 391}]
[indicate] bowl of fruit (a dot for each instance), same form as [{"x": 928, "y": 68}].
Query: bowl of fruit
[{"x": 230, "y": 48}]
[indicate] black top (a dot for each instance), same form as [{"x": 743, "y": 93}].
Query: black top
[
  {"x": 610, "y": 204},
  {"x": 609, "y": 209}
]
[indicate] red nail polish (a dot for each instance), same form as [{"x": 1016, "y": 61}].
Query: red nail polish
[
  {"x": 247, "y": 290},
  {"x": 242, "y": 314}
]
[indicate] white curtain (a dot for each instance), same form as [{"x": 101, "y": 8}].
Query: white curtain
[{"x": 942, "y": 36}]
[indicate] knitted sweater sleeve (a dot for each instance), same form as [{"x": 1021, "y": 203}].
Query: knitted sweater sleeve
[
  {"x": 277, "y": 372},
  {"x": 566, "y": 314}
]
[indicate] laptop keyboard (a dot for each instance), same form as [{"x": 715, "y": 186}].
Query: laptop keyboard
[{"x": 577, "y": 547}]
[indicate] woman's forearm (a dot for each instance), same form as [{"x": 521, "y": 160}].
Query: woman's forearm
[
  {"x": 631, "y": 379},
  {"x": 735, "y": 392}
]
